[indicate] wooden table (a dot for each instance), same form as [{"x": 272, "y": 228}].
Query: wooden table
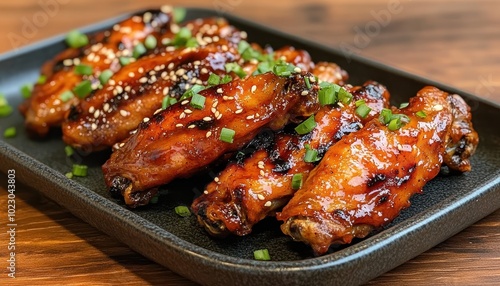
[{"x": 454, "y": 42}]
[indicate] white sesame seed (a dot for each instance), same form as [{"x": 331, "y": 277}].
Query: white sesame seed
[
  {"x": 297, "y": 69},
  {"x": 183, "y": 115},
  {"x": 219, "y": 116},
  {"x": 215, "y": 103},
  {"x": 305, "y": 92},
  {"x": 205, "y": 192},
  {"x": 94, "y": 126},
  {"x": 143, "y": 79},
  {"x": 204, "y": 70},
  {"x": 184, "y": 102},
  {"x": 170, "y": 66},
  {"x": 191, "y": 126},
  {"x": 340, "y": 104},
  {"x": 238, "y": 111},
  {"x": 96, "y": 113},
  {"x": 438, "y": 107},
  {"x": 131, "y": 74},
  {"x": 249, "y": 117},
  {"x": 262, "y": 173},
  {"x": 216, "y": 179},
  {"x": 157, "y": 111},
  {"x": 261, "y": 197},
  {"x": 188, "y": 111},
  {"x": 91, "y": 109},
  {"x": 207, "y": 118},
  {"x": 312, "y": 79},
  {"x": 179, "y": 125},
  {"x": 254, "y": 88},
  {"x": 123, "y": 113},
  {"x": 106, "y": 107},
  {"x": 219, "y": 90},
  {"x": 146, "y": 119},
  {"x": 268, "y": 204},
  {"x": 209, "y": 133},
  {"x": 166, "y": 90},
  {"x": 68, "y": 62}
]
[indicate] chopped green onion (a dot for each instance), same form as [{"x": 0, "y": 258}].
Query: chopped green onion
[
  {"x": 236, "y": 68},
  {"x": 83, "y": 70},
  {"x": 105, "y": 76},
  {"x": 227, "y": 78},
  {"x": 5, "y": 108},
  {"x": 183, "y": 211},
  {"x": 192, "y": 91},
  {"x": 80, "y": 170},
  {"x": 363, "y": 110},
  {"x": 124, "y": 61},
  {"x": 3, "y": 100},
  {"x": 179, "y": 14},
  {"x": 198, "y": 101},
  {"x": 393, "y": 121},
  {"x": 261, "y": 254},
  {"x": 385, "y": 116},
  {"x": 69, "y": 151},
  {"x": 243, "y": 46},
  {"x": 264, "y": 67},
  {"x": 213, "y": 79},
  {"x": 344, "y": 96},
  {"x": 421, "y": 114},
  {"x": 83, "y": 89},
  {"x": 150, "y": 42},
  {"x": 168, "y": 101},
  {"x": 26, "y": 90},
  {"x": 227, "y": 135},
  {"x": 10, "y": 132},
  {"x": 41, "y": 79},
  {"x": 181, "y": 38},
  {"x": 327, "y": 96},
  {"x": 191, "y": 43},
  {"x": 306, "y": 126},
  {"x": 395, "y": 124},
  {"x": 297, "y": 181},
  {"x": 139, "y": 50},
  {"x": 75, "y": 39},
  {"x": 311, "y": 155},
  {"x": 66, "y": 96},
  {"x": 359, "y": 102},
  {"x": 308, "y": 83},
  {"x": 283, "y": 69},
  {"x": 403, "y": 105},
  {"x": 69, "y": 175}
]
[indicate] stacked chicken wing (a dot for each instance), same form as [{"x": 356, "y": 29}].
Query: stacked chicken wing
[{"x": 337, "y": 162}]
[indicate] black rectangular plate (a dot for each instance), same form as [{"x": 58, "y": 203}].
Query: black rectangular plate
[{"x": 447, "y": 205}]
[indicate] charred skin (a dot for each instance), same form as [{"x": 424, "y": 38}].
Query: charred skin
[
  {"x": 45, "y": 108},
  {"x": 181, "y": 140},
  {"x": 368, "y": 177},
  {"x": 245, "y": 193},
  {"x": 136, "y": 92}
]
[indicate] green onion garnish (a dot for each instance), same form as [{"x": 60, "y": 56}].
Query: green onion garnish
[
  {"x": 69, "y": 175},
  {"x": 183, "y": 211},
  {"x": 5, "y": 108},
  {"x": 26, "y": 90},
  {"x": 227, "y": 78},
  {"x": 124, "y": 61},
  {"x": 66, "y": 96},
  {"x": 421, "y": 114},
  {"x": 75, "y": 39},
  {"x": 308, "y": 83},
  {"x": 168, "y": 101},
  {"x": 393, "y": 121},
  {"x": 327, "y": 95},
  {"x": 10, "y": 132},
  {"x": 264, "y": 67},
  {"x": 105, "y": 76},
  {"x": 69, "y": 151},
  {"x": 306, "y": 126},
  {"x": 344, "y": 96},
  {"x": 192, "y": 91},
  {"x": 83, "y": 70},
  {"x": 41, "y": 79},
  {"x": 283, "y": 69},
  {"x": 198, "y": 101},
  {"x": 83, "y": 89},
  {"x": 213, "y": 79},
  {"x": 178, "y": 14},
  {"x": 261, "y": 254},
  {"x": 191, "y": 43},
  {"x": 150, "y": 42},
  {"x": 363, "y": 110},
  {"x": 359, "y": 102},
  {"x": 297, "y": 181},
  {"x": 182, "y": 37},
  {"x": 403, "y": 105},
  {"x": 385, "y": 116},
  {"x": 311, "y": 155},
  {"x": 395, "y": 124},
  {"x": 80, "y": 170},
  {"x": 243, "y": 46},
  {"x": 236, "y": 68},
  {"x": 139, "y": 50},
  {"x": 227, "y": 135}
]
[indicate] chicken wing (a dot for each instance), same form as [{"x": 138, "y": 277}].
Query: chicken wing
[
  {"x": 181, "y": 140},
  {"x": 45, "y": 108},
  {"x": 368, "y": 177},
  {"x": 245, "y": 193}
]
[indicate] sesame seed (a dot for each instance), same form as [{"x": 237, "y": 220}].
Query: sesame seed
[
  {"x": 219, "y": 116},
  {"x": 123, "y": 113},
  {"x": 191, "y": 126},
  {"x": 204, "y": 70},
  {"x": 219, "y": 90},
  {"x": 96, "y": 113},
  {"x": 183, "y": 115},
  {"x": 238, "y": 111},
  {"x": 207, "y": 119},
  {"x": 205, "y": 192},
  {"x": 340, "y": 104},
  {"x": 146, "y": 119},
  {"x": 188, "y": 111},
  {"x": 68, "y": 62},
  {"x": 261, "y": 197},
  {"x": 216, "y": 179},
  {"x": 268, "y": 204},
  {"x": 312, "y": 79},
  {"x": 52, "y": 110},
  {"x": 157, "y": 111},
  {"x": 215, "y": 103},
  {"x": 305, "y": 92},
  {"x": 94, "y": 126},
  {"x": 179, "y": 125},
  {"x": 249, "y": 117},
  {"x": 106, "y": 107},
  {"x": 170, "y": 66},
  {"x": 438, "y": 107},
  {"x": 297, "y": 69},
  {"x": 262, "y": 173},
  {"x": 131, "y": 74},
  {"x": 91, "y": 109},
  {"x": 209, "y": 133},
  {"x": 184, "y": 102},
  {"x": 254, "y": 88},
  {"x": 143, "y": 80},
  {"x": 166, "y": 90}
]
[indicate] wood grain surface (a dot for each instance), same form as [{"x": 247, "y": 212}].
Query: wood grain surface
[{"x": 454, "y": 42}]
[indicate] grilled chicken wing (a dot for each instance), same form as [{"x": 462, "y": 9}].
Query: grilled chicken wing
[
  {"x": 368, "y": 177},
  {"x": 181, "y": 140},
  {"x": 245, "y": 193},
  {"x": 45, "y": 108}
]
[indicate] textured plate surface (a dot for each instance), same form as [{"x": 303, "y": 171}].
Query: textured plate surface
[{"x": 448, "y": 204}]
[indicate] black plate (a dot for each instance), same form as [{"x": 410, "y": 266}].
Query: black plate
[{"x": 448, "y": 204}]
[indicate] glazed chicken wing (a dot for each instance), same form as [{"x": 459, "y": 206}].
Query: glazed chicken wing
[
  {"x": 368, "y": 177},
  {"x": 245, "y": 193},
  {"x": 181, "y": 139},
  {"x": 46, "y": 108}
]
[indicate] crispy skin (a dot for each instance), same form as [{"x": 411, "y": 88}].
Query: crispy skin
[
  {"x": 45, "y": 109},
  {"x": 181, "y": 140},
  {"x": 113, "y": 112},
  {"x": 368, "y": 177},
  {"x": 245, "y": 193}
]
